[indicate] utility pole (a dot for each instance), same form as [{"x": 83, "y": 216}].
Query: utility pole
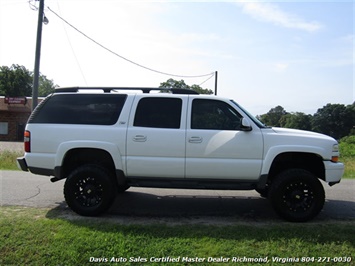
[
  {"x": 38, "y": 55},
  {"x": 215, "y": 82}
]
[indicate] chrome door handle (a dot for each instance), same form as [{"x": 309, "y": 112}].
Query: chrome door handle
[
  {"x": 140, "y": 138},
  {"x": 195, "y": 139}
]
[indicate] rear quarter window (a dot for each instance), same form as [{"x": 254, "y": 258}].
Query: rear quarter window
[
  {"x": 158, "y": 113},
  {"x": 85, "y": 109}
]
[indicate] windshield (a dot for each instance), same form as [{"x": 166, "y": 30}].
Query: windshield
[{"x": 256, "y": 121}]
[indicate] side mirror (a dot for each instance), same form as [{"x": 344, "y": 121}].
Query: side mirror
[{"x": 245, "y": 126}]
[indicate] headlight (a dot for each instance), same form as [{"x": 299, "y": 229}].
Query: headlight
[
  {"x": 336, "y": 148},
  {"x": 335, "y": 151}
]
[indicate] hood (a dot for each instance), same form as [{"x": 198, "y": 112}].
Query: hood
[
  {"x": 299, "y": 141},
  {"x": 300, "y": 133}
]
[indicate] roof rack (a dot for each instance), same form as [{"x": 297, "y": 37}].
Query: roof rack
[{"x": 109, "y": 89}]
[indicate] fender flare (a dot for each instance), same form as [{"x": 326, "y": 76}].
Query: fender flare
[
  {"x": 111, "y": 148},
  {"x": 273, "y": 152}
]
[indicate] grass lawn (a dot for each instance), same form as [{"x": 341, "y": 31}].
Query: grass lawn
[
  {"x": 31, "y": 236},
  {"x": 349, "y": 163},
  {"x": 8, "y": 160}
]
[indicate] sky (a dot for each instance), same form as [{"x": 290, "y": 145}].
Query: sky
[{"x": 297, "y": 54}]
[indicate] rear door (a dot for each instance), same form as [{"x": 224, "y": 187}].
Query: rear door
[
  {"x": 156, "y": 136},
  {"x": 216, "y": 146}
]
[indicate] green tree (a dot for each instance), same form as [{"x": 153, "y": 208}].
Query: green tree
[
  {"x": 200, "y": 90},
  {"x": 46, "y": 86},
  {"x": 18, "y": 81},
  {"x": 296, "y": 120},
  {"x": 15, "y": 81},
  {"x": 273, "y": 117},
  {"x": 336, "y": 120},
  {"x": 176, "y": 84},
  {"x": 352, "y": 111}
]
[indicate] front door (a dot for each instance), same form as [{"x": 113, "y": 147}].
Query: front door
[{"x": 217, "y": 147}]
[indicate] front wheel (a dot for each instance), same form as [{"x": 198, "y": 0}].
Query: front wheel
[
  {"x": 297, "y": 195},
  {"x": 89, "y": 190}
]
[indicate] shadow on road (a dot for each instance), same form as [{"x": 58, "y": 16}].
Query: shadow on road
[
  {"x": 143, "y": 204},
  {"x": 139, "y": 207}
]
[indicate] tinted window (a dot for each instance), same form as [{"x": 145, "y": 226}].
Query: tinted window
[
  {"x": 158, "y": 113},
  {"x": 97, "y": 109},
  {"x": 216, "y": 115}
]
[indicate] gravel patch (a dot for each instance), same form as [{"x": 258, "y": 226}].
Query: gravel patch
[{"x": 11, "y": 146}]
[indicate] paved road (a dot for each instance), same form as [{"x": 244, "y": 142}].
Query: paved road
[{"x": 203, "y": 206}]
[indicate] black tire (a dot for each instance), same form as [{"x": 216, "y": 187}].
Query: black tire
[
  {"x": 89, "y": 190},
  {"x": 297, "y": 195}
]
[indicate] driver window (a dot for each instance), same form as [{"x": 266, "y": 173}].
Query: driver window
[{"x": 214, "y": 115}]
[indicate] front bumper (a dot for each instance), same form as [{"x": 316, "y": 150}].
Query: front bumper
[
  {"x": 333, "y": 171},
  {"x": 21, "y": 164}
]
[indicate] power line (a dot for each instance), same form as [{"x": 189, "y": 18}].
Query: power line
[
  {"x": 126, "y": 59},
  {"x": 212, "y": 74},
  {"x": 73, "y": 51},
  {"x": 32, "y": 5}
]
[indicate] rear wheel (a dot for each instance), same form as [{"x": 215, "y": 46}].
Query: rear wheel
[
  {"x": 297, "y": 195},
  {"x": 89, "y": 190}
]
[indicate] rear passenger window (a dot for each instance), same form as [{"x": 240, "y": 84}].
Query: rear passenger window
[
  {"x": 158, "y": 113},
  {"x": 93, "y": 109}
]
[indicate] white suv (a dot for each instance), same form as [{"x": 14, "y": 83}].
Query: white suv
[{"x": 103, "y": 143}]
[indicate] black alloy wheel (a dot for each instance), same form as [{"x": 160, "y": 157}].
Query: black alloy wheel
[
  {"x": 89, "y": 190},
  {"x": 297, "y": 195}
]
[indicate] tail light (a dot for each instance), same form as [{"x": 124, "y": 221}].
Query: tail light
[{"x": 27, "y": 141}]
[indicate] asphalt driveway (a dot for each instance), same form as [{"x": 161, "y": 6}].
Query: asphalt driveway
[{"x": 19, "y": 188}]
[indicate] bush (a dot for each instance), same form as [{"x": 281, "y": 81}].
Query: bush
[{"x": 347, "y": 146}]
